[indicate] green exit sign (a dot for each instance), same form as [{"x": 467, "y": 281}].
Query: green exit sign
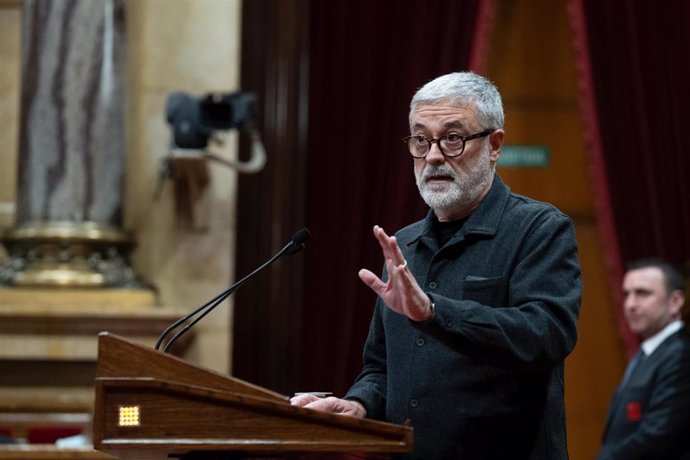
[{"x": 524, "y": 156}]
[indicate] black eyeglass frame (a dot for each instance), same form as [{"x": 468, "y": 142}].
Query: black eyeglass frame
[{"x": 437, "y": 141}]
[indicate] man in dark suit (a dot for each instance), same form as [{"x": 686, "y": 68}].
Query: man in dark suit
[{"x": 649, "y": 417}]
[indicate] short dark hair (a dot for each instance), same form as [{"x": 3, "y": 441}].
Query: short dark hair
[{"x": 673, "y": 277}]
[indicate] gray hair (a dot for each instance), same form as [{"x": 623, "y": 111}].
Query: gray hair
[{"x": 463, "y": 88}]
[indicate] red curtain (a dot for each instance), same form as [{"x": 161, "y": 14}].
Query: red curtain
[
  {"x": 367, "y": 58},
  {"x": 634, "y": 63}
]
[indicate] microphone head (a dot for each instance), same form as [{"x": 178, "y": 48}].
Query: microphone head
[
  {"x": 301, "y": 236},
  {"x": 297, "y": 242}
]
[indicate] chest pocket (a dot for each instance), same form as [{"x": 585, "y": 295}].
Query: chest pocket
[{"x": 486, "y": 291}]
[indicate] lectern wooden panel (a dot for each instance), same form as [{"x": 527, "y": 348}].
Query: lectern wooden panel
[{"x": 153, "y": 405}]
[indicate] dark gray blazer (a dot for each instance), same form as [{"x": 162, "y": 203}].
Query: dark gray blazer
[
  {"x": 483, "y": 380},
  {"x": 649, "y": 417}
]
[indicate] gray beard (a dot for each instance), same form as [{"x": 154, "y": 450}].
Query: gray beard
[{"x": 458, "y": 196}]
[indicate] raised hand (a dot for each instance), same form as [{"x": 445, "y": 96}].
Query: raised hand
[{"x": 400, "y": 292}]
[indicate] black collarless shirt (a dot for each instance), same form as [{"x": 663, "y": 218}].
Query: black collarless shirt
[{"x": 444, "y": 231}]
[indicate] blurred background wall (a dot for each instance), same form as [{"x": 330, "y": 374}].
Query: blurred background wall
[
  {"x": 184, "y": 46},
  {"x": 184, "y": 248}
]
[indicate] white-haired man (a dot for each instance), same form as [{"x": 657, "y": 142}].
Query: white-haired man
[{"x": 478, "y": 302}]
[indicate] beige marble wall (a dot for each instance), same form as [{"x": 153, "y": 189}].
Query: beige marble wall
[
  {"x": 173, "y": 45},
  {"x": 192, "y": 46},
  {"x": 10, "y": 58}
]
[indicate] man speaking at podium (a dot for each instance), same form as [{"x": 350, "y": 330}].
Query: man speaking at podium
[{"x": 478, "y": 302}]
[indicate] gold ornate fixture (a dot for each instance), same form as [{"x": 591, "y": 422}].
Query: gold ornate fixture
[{"x": 69, "y": 254}]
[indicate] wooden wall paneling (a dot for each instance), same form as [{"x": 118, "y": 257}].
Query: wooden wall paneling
[{"x": 267, "y": 344}]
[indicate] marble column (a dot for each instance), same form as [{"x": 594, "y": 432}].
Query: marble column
[{"x": 71, "y": 148}]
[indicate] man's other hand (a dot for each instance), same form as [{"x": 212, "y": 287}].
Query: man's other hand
[{"x": 330, "y": 404}]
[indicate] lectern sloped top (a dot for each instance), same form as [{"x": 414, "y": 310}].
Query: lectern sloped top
[
  {"x": 153, "y": 405},
  {"x": 119, "y": 357}
]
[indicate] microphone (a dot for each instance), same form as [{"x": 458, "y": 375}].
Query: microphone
[
  {"x": 184, "y": 324},
  {"x": 296, "y": 244}
]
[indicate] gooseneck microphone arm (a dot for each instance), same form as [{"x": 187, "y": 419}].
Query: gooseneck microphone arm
[{"x": 295, "y": 245}]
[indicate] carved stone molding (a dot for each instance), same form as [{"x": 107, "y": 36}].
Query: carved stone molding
[{"x": 69, "y": 254}]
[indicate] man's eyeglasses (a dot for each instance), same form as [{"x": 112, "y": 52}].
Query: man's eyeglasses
[{"x": 450, "y": 145}]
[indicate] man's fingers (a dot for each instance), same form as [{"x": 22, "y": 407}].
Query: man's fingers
[
  {"x": 383, "y": 240},
  {"x": 303, "y": 399},
  {"x": 321, "y": 404},
  {"x": 389, "y": 245},
  {"x": 371, "y": 280},
  {"x": 379, "y": 231},
  {"x": 338, "y": 406},
  {"x": 330, "y": 404}
]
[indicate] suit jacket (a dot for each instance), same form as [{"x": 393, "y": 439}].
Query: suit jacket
[
  {"x": 483, "y": 379},
  {"x": 649, "y": 416}
]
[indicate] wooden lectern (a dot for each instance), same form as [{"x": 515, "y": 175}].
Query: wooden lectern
[{"x": 151, "y": 405}]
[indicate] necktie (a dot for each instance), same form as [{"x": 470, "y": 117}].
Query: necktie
[{"x": 639, "y": 356}]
